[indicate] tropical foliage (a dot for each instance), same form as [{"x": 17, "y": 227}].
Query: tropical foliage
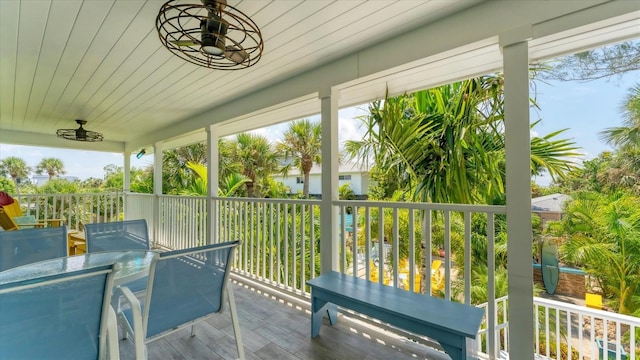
[
  {"x": 446, "y": 145},
  {"x": 602, "y": 236},
  {"x": 50, "y": 166},
  {"x": 300, "y": 148},
  {"x": 16, "y": 168}
]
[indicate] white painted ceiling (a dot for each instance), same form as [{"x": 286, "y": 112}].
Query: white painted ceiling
[{"x": 102, "y": 61}]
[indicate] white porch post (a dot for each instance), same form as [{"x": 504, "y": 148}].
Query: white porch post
[
  {"x": 157, "y": 190},
  {"x": 328, "y": 213},
  {"x": 518, "y": 159},
  {"x": 212, "y": 186},
  {"x": 126, "y": 180}
]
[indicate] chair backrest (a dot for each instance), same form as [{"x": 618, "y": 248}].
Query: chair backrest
[
  {"x": 6, "y": 221},
  {"x": 117, "y": 235},
  {"x": 56, "y": 317},
  {"x": 186, "y": 285},
  {"x": 31, "y": 245},
  {"x": 13, "y": 209}
]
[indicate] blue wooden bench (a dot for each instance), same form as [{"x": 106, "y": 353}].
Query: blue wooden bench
[{"x": 452, "y": 324}]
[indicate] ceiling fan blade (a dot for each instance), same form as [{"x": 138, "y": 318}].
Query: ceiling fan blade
[
  {"x": 184, "y": 42},
  {"x": 235, "y": 54}
]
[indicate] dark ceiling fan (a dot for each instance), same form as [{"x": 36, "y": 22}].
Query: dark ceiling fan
[
  {"x": 212, "y": 34},
  {"x": 79, "y": 134}
]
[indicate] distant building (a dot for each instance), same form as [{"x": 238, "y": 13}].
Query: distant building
[
  {"x": 40, "y": 180},
  {"x": 348, "y": 173},
  {"x": 549, "y": 207}
]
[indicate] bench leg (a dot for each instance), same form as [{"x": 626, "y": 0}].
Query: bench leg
[
  {"x": 467, "y": 352},
  {"x": 332, "y": 312},
  {"x": 318, "y": 308}
]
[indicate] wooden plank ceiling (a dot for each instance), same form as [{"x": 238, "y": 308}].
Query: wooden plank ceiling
[{"x": 102, "y": 61}]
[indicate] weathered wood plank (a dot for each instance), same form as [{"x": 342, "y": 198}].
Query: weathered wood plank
[{"x": 274, "y": 330}]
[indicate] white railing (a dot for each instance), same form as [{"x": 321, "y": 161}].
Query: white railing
[
  {"x": 501, "y": 327},
  {"x": 576, "y": 330},
  {"x": 140, "y": 206},
  {"x": 74, "y": 208},
  {"x": 279, "y": 239},
  {"x": 281, "y": 248},
  {"x": 563, "y": 328},
  {"x": 408, "y": 230},
  {"x": 182, "y": 221}
]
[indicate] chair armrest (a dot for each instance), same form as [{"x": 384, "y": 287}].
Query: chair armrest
[
  {"x": 130, "y": 297},
  {"x": 136, "y": 309}
]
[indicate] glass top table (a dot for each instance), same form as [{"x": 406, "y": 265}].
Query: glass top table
[{"x": 134, "y": 264}]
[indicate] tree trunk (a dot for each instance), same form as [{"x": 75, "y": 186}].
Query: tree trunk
[
  {"x": 15, "y": 182},
  {"x": 250, "y": 189},
  {"x": 305, "y": 186}
]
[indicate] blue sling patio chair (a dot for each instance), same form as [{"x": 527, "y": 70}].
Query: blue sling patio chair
[
  {"x": 58, "y": 316},
  {"x": 31, "y": 245},
  {"x": 117, "y": 235},
  {"x": 185, "y": 287}
]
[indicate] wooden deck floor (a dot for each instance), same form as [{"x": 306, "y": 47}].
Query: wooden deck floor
[{"x": 274, "y": 328}]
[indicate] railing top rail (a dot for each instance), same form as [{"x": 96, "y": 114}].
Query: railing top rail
[
  {"x": 69, "y": 194},
  {"x": 269, "y": 200},
  {"x": 138, "y": 194},
  {"x": 632, "y": 320},
  {"x": 495, "y": 209},
  {"x": 180, "y": 196}
]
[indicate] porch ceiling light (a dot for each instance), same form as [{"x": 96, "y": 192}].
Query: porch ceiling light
[
  {"x": 79, "y": 134},
  {"x": 212, "y": 34},
  {"x": 141, "y": 154}
]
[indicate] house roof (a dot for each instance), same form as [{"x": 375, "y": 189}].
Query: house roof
[{"x": 550, "y": 203}]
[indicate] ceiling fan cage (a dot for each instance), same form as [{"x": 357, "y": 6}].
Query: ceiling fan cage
[
  {"x": 79, "y": 134},
  {"x": 185, "y": 29}
]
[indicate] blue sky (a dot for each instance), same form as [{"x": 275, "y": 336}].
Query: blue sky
[{"x": 584, "y": 108}]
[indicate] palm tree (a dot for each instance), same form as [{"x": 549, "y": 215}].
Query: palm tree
[
  {"x": 301, "y": 146},
  {"x": 602, "y": 232},
  {"x": 257, "y": 157},
  {"x": 449, "y": 141},
  {"x": 51, "y": 166},
  {"x": 16, "y": 168},
  {"x": 627, "y": 135},
  {"x": 174, "y": 165},
  {"x": 231, "y": 184}
]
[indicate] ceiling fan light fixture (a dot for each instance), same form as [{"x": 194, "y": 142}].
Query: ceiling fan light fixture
[
  {"x": 218, "y": 24},
  {"x": 79, "y": 134}
]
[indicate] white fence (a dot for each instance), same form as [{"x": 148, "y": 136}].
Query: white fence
[
  {"x": 74, "y": 208},
  {"x": 280, "y": 239},
  {"x": 580, "y": 329},
  {"x": 281, "y": 248},
  {"x": 563, "y": 328},
  {"x": 412, "y": 231}
]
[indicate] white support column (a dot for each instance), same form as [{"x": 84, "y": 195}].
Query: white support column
[
  {"x": 212, "y": 185},
  {"x": 329, "y": 213},
  {"x": 518, "y": 183},
  {"x": 126, "y": 180},
  {"x": 157, "y": 189}
]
